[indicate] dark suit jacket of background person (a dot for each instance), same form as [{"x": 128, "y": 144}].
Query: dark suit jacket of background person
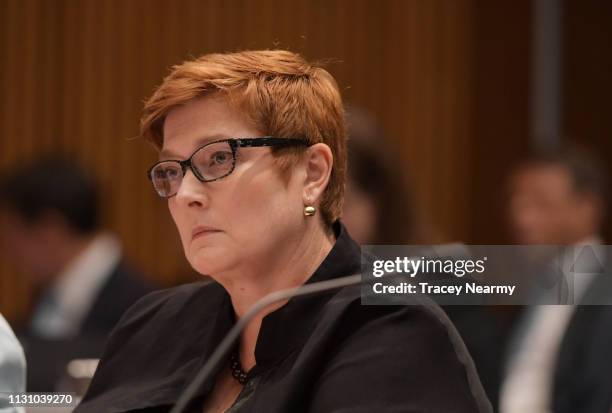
[
  {"x": 47, "y": 358},
  {"x": 322, "y": 353},
  {"x": 583, "y": 370},
  {"x": 484, "y": 339}
]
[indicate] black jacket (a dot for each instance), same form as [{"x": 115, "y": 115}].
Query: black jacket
[
  {"x": 325, "y": 353},
  {"x": 583, "y": 370},
  {"x": 47, "y": 358}
]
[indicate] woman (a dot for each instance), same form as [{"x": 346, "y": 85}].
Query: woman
[{"x": 252, "y": 163}]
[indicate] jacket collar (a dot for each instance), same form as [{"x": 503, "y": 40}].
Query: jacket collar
[{"x": 288, "y": 327}]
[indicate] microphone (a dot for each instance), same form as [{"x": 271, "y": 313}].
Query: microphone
[{"x": 222, "y": 351}]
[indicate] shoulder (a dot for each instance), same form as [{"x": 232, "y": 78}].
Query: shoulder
[
  {"x": 421, "y": 322},
  {"x": 406, "y": 353},
  {"x": 420, "y": 314},
  {"x": 171, "y": 303},
  {"x": 158, "y": 342}
]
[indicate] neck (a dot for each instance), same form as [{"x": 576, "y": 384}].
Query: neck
[{"x": 294, "y": 262}]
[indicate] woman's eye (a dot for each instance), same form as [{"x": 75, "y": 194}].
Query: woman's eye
[
  {"x": 221, "y": 158},
  {"x": 166, "y": 173}
]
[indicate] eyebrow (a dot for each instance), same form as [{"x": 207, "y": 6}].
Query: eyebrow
[{"x": 165, "y": 154}]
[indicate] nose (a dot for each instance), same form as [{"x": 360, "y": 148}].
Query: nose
[{"x": 192, "y": 192}]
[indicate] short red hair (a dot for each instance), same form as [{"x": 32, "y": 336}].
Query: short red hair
[{"x": 282, "y": 93}]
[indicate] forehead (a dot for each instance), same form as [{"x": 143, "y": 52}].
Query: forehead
[{"x": 202, "y": 120}]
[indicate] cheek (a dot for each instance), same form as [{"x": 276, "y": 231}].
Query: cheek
[
  {"x": 258, "y": 209},
  {"x": 264, "y": 209},
  {"x": 258, "y": 214},
  {"x": 179, "y": 219}
]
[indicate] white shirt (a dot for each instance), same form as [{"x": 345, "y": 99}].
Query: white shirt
[
  {"x": 527, "y": 386},
  {"x": 65, "y": 306},
  {"x": 12, "y": 366}
]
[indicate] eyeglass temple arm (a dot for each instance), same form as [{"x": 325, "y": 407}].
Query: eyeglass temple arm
[{"x": 269, "y": 141}]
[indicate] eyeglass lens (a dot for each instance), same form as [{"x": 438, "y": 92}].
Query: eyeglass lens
[{"x": 210, "y": 162}]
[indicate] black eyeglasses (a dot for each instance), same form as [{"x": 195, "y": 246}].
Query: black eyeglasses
[{"x": 210, "y": 162}]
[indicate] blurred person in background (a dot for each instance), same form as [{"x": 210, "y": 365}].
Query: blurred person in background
[
  {"x": 558, "y": 359},
  {"x": 380, "y": 208},
  {"x": 12, "y": 367},
  {"x": 50, "y": 232},
  {"x": 379, "y": 205},
  {"x": 558, "y": 197}
]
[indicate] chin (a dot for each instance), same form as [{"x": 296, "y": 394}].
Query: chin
[{"x": 209, "y": 260}]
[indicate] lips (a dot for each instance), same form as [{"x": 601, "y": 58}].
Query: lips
[{"x": 201, "y": 231}]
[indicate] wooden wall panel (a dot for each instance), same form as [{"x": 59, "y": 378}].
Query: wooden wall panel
[
  {"x": 500, "y": 109},
  {"x": 587, "y": 64},
  {"x": 74, "y": 74}
]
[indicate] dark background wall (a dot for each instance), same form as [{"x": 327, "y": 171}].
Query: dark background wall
[
  {"x": 449, "y": 81},
  {"x": 587, "y": 79}
]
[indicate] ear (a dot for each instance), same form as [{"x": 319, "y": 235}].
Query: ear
[{"x": 318, "y": 162}]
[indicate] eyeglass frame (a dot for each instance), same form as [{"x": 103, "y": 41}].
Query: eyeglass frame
[{"x": 234, "y": 143}]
